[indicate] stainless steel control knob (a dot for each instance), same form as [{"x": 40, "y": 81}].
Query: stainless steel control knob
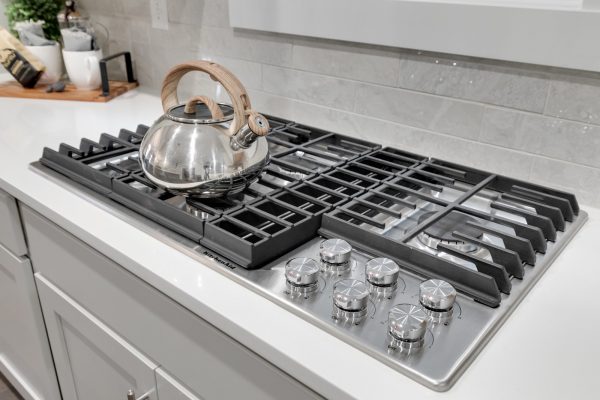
[
  {"x": 350, "y": 295},
  {"x": 302, "y": 271},
  {"x": 437, "y": 295},
  {"x": 301, "y": 276},
  {"x": 382, "y": 271},
  {"x": 407, "y": 323},
  {"x": 335, "y": 251}
]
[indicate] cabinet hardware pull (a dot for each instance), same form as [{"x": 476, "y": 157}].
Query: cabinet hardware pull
[{"x": 131, "y": 395}]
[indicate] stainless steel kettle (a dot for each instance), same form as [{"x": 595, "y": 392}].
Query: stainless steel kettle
[{"x": 203, "y": 149}]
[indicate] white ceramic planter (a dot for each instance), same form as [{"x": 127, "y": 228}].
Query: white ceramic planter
[{"x": 51, "y": 57}]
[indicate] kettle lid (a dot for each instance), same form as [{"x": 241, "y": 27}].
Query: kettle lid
[{"x": 201, "y": 114}]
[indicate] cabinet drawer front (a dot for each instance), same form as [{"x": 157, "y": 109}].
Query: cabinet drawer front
[
  {"x": 202, "y": 357},
  {"x": 11, "y": 232},
  {"x": 25, "y": 357},
  {"x": 93, "y": 363}
]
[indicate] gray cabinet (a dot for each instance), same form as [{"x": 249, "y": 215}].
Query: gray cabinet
[
  {"x": 25, "y": 358},
  {"x": 92, "y": 362},
  {"x": 204, "y": 359},
  {"x": 169, "y": 389},
  {"x": 11, "y": 232}
]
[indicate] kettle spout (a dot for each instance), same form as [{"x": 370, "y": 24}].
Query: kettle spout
[{"x": 256, "y": 126}]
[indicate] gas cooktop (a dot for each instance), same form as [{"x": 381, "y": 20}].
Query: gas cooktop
[{"x": 415, "y": 261}]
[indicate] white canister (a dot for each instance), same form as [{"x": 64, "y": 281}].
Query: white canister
[
  {"x": 51, "y": 58},
  {"x": 83, "y": 68}
]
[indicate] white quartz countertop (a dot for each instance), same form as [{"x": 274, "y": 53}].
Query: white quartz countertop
[{"x": 547, "y": 349}]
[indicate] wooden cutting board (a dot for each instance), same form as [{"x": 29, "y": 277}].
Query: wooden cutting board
[{"x": 14, "y": 89}]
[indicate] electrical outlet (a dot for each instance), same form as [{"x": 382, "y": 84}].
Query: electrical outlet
[{"x": 160, "y": 16}]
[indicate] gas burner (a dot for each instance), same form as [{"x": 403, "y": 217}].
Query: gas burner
[
  {"x": 441, "y": 232},
  {"x": 141, "y": 187},
  {"x": 192, "y": 208},
  {"x": 205, "y": 208}
]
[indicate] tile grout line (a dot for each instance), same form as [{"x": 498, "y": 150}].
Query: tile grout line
[{"x": 547, "y": 98}]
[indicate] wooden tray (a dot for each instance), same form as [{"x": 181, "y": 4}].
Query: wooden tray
[{"x": 14, "y": 89}]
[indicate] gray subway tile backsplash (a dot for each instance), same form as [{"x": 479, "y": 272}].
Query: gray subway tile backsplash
[
  {"x": 537, "y": 134},
  {"x": 445, "y": 115},
  {"x": 531, "y": 122},
  {"x": 563, "y": 140},
  {"x": 579, "y": 101},
  {"x": 310, "y": 87},
  {"x": 501, "y": 126},
  {"x": 139, "y": 8},
  {"x": 248, "y": 72},
  {"x": 582, "y": 180},
  {"x": 365, "y": 64},
  {"x": 468, "y": 80},
  {"x": 198, "y": 13},
  {"x": 260, "y": 47}
]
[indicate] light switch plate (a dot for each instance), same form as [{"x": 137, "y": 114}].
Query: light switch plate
[{"x": 160, "y": 16}]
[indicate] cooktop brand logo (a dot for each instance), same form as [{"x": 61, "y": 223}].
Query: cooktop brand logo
[{"x": 219, "y": 260}]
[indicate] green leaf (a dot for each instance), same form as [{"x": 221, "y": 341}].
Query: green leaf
[{"x": 45, "y": 10}]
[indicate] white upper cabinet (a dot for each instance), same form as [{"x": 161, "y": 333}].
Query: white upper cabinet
[{"x": 559, "y": 33}]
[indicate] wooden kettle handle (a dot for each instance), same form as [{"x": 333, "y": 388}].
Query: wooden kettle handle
[
  {"x": 239, "y": 97},
  {"x": 213, "y": 107}
]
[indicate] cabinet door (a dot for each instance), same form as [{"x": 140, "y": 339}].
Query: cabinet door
[
  {"x": 92, "y": 362},
  {"x": 11, "y": 232},
  {"x": 25, "y": 357},
  {"x": 169, "y": 389}
]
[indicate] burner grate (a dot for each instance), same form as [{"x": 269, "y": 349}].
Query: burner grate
[
  {"x": 263, "y": 230},
  {"x": 520, "y": 216}
]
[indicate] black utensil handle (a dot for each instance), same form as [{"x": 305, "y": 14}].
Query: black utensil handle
[{"x": 104, "y": 70}]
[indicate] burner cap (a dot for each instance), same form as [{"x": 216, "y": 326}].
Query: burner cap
[{"x": 455, "y": 221}]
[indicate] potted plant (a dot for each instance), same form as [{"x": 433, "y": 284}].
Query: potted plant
[
  {"x": 46, "y": 12},
  {"x": 36, "y": 10}
]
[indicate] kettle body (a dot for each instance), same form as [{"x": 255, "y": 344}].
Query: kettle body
[{"x": 199, "y": 149}]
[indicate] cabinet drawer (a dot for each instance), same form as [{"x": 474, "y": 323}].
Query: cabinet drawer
[
  {"x": 206, "y": 360},
  {"x": 11, "y": 232},
  {"x": 93, "y": 363},
  {"x": 25, "y": 357}
]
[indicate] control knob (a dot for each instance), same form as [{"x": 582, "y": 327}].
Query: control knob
[
  {"x": 407, "y": 326},
  {"x": 350, "y": 300},
  {"x": 335, "y": 255},
  {"x": 437, "y": 298},
  {"x": 382, "y": 276},
  {"x": 301, "y": 275}
]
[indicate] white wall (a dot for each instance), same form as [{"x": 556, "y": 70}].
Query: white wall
[{"x": 3, "y": 21}]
